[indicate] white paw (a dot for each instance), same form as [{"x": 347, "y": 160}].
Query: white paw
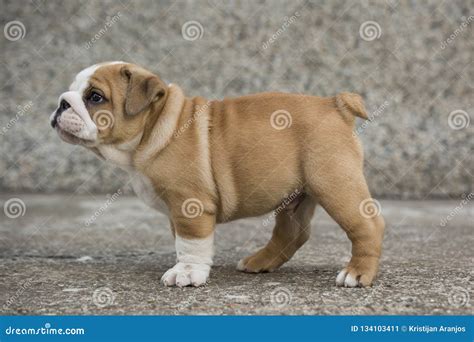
[
  {"x": 186, "y": 274},
  {"x": 344, "y": 278},
  {"x": 241, "y": 265}
]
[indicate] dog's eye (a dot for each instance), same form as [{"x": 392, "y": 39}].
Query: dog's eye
[{"x": 95, "y": 97}]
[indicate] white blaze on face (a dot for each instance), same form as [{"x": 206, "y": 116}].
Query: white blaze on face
[
  {"x": 77, "y": 120},
  {"x": 81, "y": 81}
]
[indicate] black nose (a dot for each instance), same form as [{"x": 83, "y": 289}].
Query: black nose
[{"x": 62, "y": 107}]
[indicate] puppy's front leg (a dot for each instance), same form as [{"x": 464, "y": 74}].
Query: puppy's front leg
[{"x": 194, "y": 241}]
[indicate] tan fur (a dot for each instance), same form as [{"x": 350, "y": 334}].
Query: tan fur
[
  {"x": 228, "y": 155},
  {"x": 291, "y": 231},
  {"x": 351, "y": 104}
]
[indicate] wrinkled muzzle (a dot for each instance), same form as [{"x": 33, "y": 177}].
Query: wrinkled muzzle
[{"x": 72, "y": 117}]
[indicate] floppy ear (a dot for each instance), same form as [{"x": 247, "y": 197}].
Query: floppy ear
[{"x": 143, "y": 89}]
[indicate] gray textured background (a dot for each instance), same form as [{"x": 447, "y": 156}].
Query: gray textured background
[{"x": 411, "y": 150}]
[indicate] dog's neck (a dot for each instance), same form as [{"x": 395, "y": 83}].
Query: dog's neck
[{"x": 120, "y": 154}]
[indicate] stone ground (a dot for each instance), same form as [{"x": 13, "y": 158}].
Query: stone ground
[{"x": 53, "y": 263}]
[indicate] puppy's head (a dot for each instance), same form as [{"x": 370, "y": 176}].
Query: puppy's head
[{"x": 108, "y": 103}]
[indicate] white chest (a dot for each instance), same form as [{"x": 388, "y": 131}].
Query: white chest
[{"x": 143, "y": 187}]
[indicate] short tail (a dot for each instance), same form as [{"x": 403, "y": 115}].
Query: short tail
[{"x": 351, "y": 104}]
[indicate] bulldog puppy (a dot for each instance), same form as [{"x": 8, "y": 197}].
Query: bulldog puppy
[{"x": 206, "y": 162}]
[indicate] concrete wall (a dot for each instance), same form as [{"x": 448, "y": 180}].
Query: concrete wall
[{"x": 414, "y": 66}]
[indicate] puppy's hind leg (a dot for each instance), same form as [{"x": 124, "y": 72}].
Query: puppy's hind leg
[
  {"x": 291, "y": 231},
  {"x": 341, "y": 189}
]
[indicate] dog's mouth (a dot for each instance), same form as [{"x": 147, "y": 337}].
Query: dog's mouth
[
  {"x": 71, "y": 128},
  {"x": 70, "y": 135},
  {"x": 70, "y": 138}
]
